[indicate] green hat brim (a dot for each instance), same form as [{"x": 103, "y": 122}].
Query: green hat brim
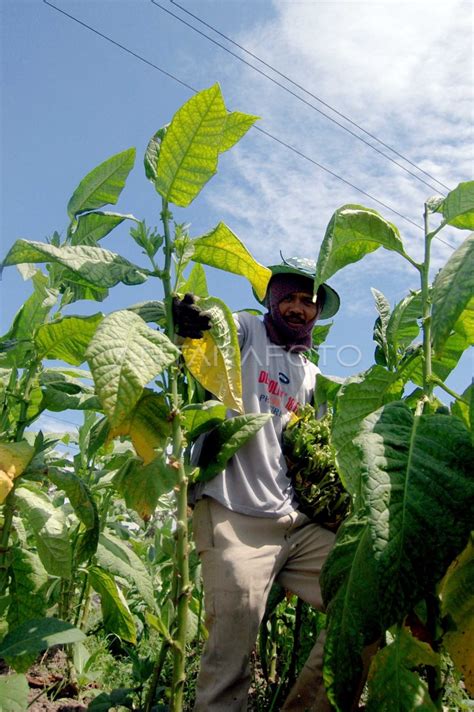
[{"x": 332, "y": 301}]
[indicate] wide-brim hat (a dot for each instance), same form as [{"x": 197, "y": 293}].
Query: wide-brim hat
[{"x": 307, "y": 268}]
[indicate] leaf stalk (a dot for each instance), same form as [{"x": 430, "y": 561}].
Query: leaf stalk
[{"x": 426, "y": 305}]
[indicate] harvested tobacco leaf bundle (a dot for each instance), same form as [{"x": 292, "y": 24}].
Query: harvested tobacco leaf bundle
[{"x": 312, "y": 469}]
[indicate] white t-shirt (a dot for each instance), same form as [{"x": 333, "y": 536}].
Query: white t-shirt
[{"x": 274, "y": 381}]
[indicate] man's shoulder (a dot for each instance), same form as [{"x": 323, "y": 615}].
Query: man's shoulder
[{"x": 248, "y": 321}]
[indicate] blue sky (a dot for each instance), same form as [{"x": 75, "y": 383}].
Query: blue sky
[{"x": 402, "y": 71}]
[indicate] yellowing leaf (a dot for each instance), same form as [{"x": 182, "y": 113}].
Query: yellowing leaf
[
  {"x": 14, "y": 457},
  {"x": 6, "y": 486},
  {"x": 214, "y": 360},
  {"x": 222, "y": 249},
  {"x": 207, "y": 365},
  {"x": 147, "y": 425},
  {"x": 458, "y": 603}
]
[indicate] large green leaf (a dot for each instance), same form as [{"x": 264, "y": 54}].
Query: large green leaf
[
  {"x": 28, "y": 579},
  {"x": 354, "y": 401},
  {"x": 67, "y": 338},
  {"x": 94, "y": 226},
  {"x": 352, "y": 233},
  {"x": 222, "y": 249},
  {"x": 115, "y": 611},
  {"x": 235, "y": 127},
  {"x": 452, "y": 290},
  {"x": 14, "y": 691},
  {"x": 201, "y": 417},
  {"x": 457, "y": 605},
  {"x": 350, "y": 589},
  {"x": 142, "y": 485},
  {"x": 102, "y": 185},
  {"x": 214, "y": 360},
  {"x": 419, "y": 496},
  {"x": 393, "y": 685},
  {"x": 89, "y": 265},
  {"x": 190, "y": 148},
  {"x": 36, "y": 635},
  {"x": 124, "y": 355},
  {"x": 50, "y": 530},
  {"x": 116, "y": 557},
  {"x": 182, "y": 157},
  {"x": 458, "y": 206},
  {"x": 226, "y": 439}
]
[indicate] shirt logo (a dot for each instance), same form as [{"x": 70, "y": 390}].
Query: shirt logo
[{"x": 283, "y": 378}]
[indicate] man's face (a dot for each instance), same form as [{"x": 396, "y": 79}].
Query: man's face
[{"x": 298, "y": 309}]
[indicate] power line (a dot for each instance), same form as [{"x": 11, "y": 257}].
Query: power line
[
  {"x": 262, "y": 131},
  {"x": 297, "y": 96},
  {"x": 328, "y": 170},
  {"x": 45, "y": 414},
  {"x": 121, "y": 46}
]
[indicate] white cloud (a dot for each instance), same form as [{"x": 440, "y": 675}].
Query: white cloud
[{"x": 398, "y": 69}]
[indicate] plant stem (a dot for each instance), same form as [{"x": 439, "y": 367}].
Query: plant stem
[
  {"x": 182, "y": 544},
  {"x": 8, "y": 512},
  {"x": 438, "y": 382},
  {"x": 156, "y": 677},
  {"x": 434, "y": 672},
  {"x": 426, "y": 315}
]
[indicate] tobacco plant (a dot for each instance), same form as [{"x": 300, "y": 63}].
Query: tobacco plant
[
  {"x": 152, "y": 387},
  {"x": 400, "y": 575},
  {"x": 402, "y": 563}
]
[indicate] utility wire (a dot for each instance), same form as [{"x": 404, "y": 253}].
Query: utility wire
[
  {"x": 121, "y": 46},
  {"x": 297, "y": 96},
  {"x": 328, "y": 170},
  {"x": 266, "y": 133},
  {"x": 60, "y": 420},
  {"x": 314, "y": 96}
]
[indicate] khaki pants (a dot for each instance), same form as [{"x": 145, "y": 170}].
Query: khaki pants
[{"x": 241, "y": 557}]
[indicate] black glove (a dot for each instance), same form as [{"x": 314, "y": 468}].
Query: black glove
[{"x": 189, "y": 320}]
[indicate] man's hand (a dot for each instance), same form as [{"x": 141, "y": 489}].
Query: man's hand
[{"x": 188, "y": 319}]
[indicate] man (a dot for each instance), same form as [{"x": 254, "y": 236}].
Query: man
[{"x": 248, "y": 530}]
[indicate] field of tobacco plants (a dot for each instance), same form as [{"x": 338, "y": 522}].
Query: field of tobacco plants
[{"x": 101, "y": 604}]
